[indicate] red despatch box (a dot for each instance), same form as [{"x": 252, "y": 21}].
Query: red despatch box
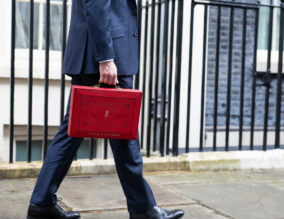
[{"x": 104, "y": 112}]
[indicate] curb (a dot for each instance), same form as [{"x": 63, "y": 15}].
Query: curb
[
  {"x": 236, "y": 160},
  {"x": 197, "y": 161},
  {"x": 92, "y": 167}
]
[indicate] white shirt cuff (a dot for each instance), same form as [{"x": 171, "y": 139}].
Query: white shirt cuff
[{"x": 106, "y": 60}]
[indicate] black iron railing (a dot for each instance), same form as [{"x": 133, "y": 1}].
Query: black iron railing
[{"x": 162, "y": 39}]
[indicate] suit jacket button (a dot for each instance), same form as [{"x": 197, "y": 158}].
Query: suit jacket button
[
  {"x": 135, "y": 34},
  {"x": 134, "y": 12}
]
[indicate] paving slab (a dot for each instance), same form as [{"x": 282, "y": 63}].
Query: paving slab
[
  {"x": 105, "y": 192},
  {"x": 272, "y": 175},
  {"x": 278, "y": 185},
  {"x": 198, "y": 177},
  {"x": 196, "y": 211},
  {"x": 202, "y": 195},
  {"x": 239, "y": 200},
  {"x": 14, "y": 198},
  {"x": 92, "y": 193},
  {"x": 117, "y": 214},
  {"x": 192, "y": 211}
]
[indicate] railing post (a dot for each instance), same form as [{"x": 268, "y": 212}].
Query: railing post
[
  {"x": 279, "y": 78},
  {"x": 30, "y": 94},
  {"x": 189, "y": 77},
  {"x": 164, "y": 78},
  {"x": 254, "y": 82},
  {"x": 144, "y": 76},
  {"x": 46, "y": 80},
  {"x": 139, "y": 15},
  {"x": 12, "y": 81},
  {"x": 177, "y": 80},
  {"x": 151, "y": 75},
  {"x": 157, "y": 69},
  {"x": 64, "y": 36}
]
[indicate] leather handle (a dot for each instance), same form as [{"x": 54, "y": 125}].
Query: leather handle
[{"x": 99, "y": 85}]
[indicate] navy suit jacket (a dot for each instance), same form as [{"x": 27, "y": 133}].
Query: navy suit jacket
[{"x": 102, "y": 30}]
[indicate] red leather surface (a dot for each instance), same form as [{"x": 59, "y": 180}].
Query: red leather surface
[{"x": 104, "y": 112}]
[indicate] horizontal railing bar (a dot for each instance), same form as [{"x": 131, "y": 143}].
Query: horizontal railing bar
[
  {"x": 269, "y": 128},
  {"x": 227, "y": 5},
  {"x": 157, "y": 3},
  {"x": 52, "y": 2},
  {"x": 212, "y": 3},
  {"x": 242, "y": 3},
  {"x": 224, "y": 4}
]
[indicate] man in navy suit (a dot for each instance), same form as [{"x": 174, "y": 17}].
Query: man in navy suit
[{"x": 102, "y": 46}]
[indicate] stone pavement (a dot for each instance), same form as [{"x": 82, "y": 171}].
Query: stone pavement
[{"x": 203, "y": 195}]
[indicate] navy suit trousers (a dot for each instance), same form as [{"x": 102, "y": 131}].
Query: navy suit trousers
[{"x": 127, "y": 157}]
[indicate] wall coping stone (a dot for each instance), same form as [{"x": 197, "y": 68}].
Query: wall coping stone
[{"x": 195, "y": 161}]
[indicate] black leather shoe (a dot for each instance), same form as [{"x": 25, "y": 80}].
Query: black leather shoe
[
  {"x": 53, "y": 212},
  {"x": 158, "y": 213}
]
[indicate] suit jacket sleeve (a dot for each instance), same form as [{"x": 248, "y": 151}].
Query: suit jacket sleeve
[{"x": 98, "y": 20}]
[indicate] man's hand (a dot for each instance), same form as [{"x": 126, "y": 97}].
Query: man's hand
[{"x": 108, "y": 73}]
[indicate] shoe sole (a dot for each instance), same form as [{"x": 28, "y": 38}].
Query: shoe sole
[{"x": 142, "y": 217}]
